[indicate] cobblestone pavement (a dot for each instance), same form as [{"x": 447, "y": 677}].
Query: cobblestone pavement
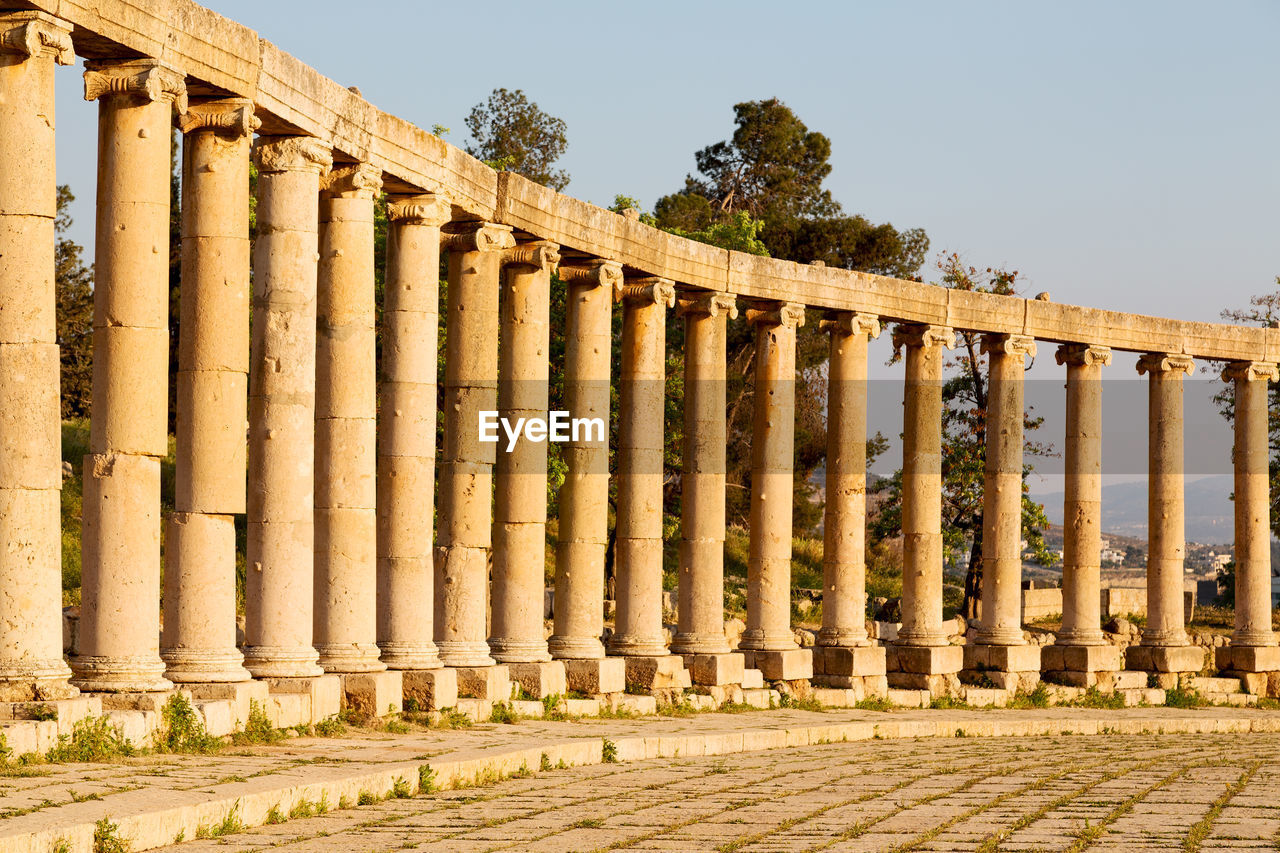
[{"x": 1067, "y": 793}]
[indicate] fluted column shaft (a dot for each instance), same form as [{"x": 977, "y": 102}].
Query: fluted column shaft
[
  {"x": 31, "y": 664},
  {"x": 520, "y": 508},
  {"x": 844, "y": 529},
  {"x": 922, "y": 484},
  {"x": 128, "y": 435},
  {"x": 466, "y": 470},
  {"x": 407, "y": 433},
  {"x": 199, "y": 639},
  {"x": 702, "y": 481},
  {"x": 1166, "y": 546},
  {"x": 642, "y": 392},
  {"x": 346, "y": 609},
  {"x": 772, "y": 474},
  {"x": 584, "y": 497},
  {"x": 282, "y": 382},
  {"x": 1002, "y": 491},
  {"x": 1082, "y": 501},
  {"x": 1251, "y": 457}
]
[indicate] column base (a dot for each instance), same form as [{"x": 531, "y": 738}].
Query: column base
[
  {"x": 596, "y": 677},
  {"x": 847, "y": 667},
  {"x": 491, "y": 683},
  {"x": 373, "y": 694},
  {"x": 241, "y": 694},
  {"x": 657, "y": 672},
  {"x": 575, "y": 648},
  {"x": 430, "y": 689},
  {"x": 35, "y": 681},
  {"x": 645, "y": 647},
  {"x": 342, "y": 658},
  {"x": 464, "y": 654},
  {"x": 1247, "y": 658},
  {"x": 518, "y": 651},
  {"x": 843, "y": 637},
  {"x": 1021, "y": 658},
  {"x": 102, "y": 674},
  {"x": 410, "y": 655},
  {"x": 693, "y": 643},
  {"x": 282, "y": 662},
  {"x": 781, "y": 664},
  {"x": 715, "y": 670},
  {"x": 1179, "y": 659},
  {"x": 183, "y": 666},
  {"x": 540, "y": 680},
  {"x": 303, "y": 701}
]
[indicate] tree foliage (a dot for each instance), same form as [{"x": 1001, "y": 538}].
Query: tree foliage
[
  {"x": 513, "y": 134},
  {"x": 74, "y": 282}
]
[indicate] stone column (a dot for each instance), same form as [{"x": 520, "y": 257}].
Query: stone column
[
  {"x": 700, "y": 636},
  {"x": 1165, "y": 645},
  {"x": 1080, "y": 651},
  {"x": 407, "y": 432},
  {"x": 768, "y": 636},
  {"x": 346, "y": 620},
  {"x": 520, "y": 508},
  {"x": 844, "y": 652},
  {"x": 281, "y": 548},
  {"x": 31, "y": 665},
  {"x": 199, "y": 640},
  {"x": 466, "y": 475},
  {"x": 128, "y": 434},
  {"x": 922, "y": 653},
  {"x": 1253, "y": 643}
]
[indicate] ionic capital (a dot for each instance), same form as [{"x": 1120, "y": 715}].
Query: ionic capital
[
  {"x": 1165, "y": 362},
  {"x": 707, "y": 303},
  {"x": 1019, "y": 345},
  {"x": 850, "y": 323},
  {"x": 230, "y": 116},
  {"x": 292, "y": 154},
  {"x": 430, "y": 209},
  {"x": 1082, "y": 355},
  {"x": 359, "y": 180},
  {"x": 640, "y": 292},
  {"x": 36, "y": 34},
  {"x": 1250, "y": 371},
  {"x": 479, "y": 237},
  {"x": 147, "y": 79},
  {"x": 540, "y": 255},
  {"x": 789, "y": 314},
  {"x": 923, "y": 335},
  {"x": 597, "y": 273}
]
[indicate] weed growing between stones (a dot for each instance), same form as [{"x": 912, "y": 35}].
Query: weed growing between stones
[
  {"x": 62, "y": 845},
  {"x": 330, "y": 727},
  {"x": 503, "y": 713},
  {"x": 366, "y": 798},
  {"x": 874, "y": 703},
  {"x": 106, "y": 838},
  {"x": 1093, "y": 698},
  {"x": 306, "y": 808},
  {"x": 400, "y": 789},
  {"x": 452, "y": 718},
  {"x": 230, "y": 824},
  {"x": 947, "y": 703},
  {"x": 41, "y": 712},
  {"x": 93, "y": 739},
  {"x": 275, "y": 816},
  {"x": 608, "y": 751},
  {"x": 183, "y": 731},
  {"x": 257, "y": 729},
  {"x": 545, "y": 764},
  {"x": 1183, "y": 697},
  {"x": 800, "y": 703},
  {"x": 1038, "y": 698}
]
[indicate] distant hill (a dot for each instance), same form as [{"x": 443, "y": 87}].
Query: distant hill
[{"x": 1209, "y": 511}]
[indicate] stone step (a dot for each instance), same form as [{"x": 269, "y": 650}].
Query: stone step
[
  {"x": 760, "y": 697},
  {"x": 909, "y": 698},
  {"x": 642, "y": 705},
  {"x": 1144, "y": 695},
  {"x": 531, "y": 708},
  {"x": 1236, "y": 700},
  {"x": 1131, "y": 679},
  {"x": 1216, "y": 685},
  {"x": 1061, "y": 694},
  {"x": 477, "y": 710},
  {"x": 986, "y": 697},
  {"x": 835, "y": 697},
  {"x": 752, "y": 679}
]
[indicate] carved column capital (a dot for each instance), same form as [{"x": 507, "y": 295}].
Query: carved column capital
[
  {"x": 640, "y": 292},
  {"x": 1020, "y": 345},
  {"x": 36, "y": 34},
  {"x": 710, "y": 303},
  {"x": 1250, "y": 371},
  {"x": 540, "y": 255},
  {"x": 292, "y": 154},
  {"x": 923, "y": 335},
  {"x": 600, "y": 273},
  {"x": 479, "y": 237},
  {"x": 358, "y": 180},
  {"x": 146, "y": 79},
  {"x": 789, "y": 314},
  {"x": 850, "y": 323},
  {"x": 1082, "y": 355},
  {"x": 229, "y": 116},
  {"x": 432, "y": 209},
  {"x": 1163, "y": 362}
]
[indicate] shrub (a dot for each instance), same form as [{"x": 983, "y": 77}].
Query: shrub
[
  {"x": 92, "y": 739},
  {"x": 183, "y": 731}
]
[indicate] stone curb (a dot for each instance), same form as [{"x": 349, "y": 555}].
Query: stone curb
[{"x": 155, "y": 818}]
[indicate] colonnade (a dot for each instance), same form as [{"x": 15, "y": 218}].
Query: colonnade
[{"x": 360, "y": 565}]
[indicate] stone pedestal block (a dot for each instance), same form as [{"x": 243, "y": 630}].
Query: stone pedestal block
[
  {"x": 924, "y": 660},
  {"x": 714, "y": 670},
  {"x": 240, "y": 693},
  {"x": 1248, "y": 658},
  {"x": 1080, "y": 658},
  {"x": 430, "y": 689},
  {"x": 1165, "y": 658},
  {"x": 594, "y": 677},
  {"x": 782, "y": 665},
  {"x": 1002, "y": 658},
  {"x": 848, "y": 661},
  {"x": 938, "y": 685},
  {"x": 319, "y": 697},
  {"x": 661, "y": 672},
  {"x": 492, "y": 683},
  {"x": 373, "y": 694},
  {"x": 540, "y": 680}
]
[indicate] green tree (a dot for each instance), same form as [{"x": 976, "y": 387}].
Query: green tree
[
  {"x": 74, "y": 282},
  {"x": 511, "y": 133},
  {"x": 964, "y": 435}
]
